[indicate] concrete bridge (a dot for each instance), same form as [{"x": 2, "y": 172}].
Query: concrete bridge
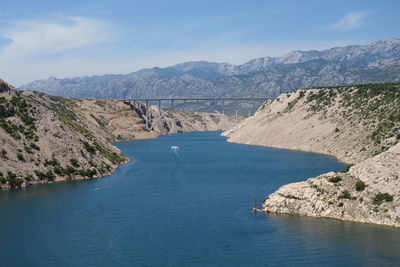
[
  {"x": 195, "y": 100},
  {"x": 173, "y": 101}
]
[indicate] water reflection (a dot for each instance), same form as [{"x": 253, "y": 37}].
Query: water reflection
[{"x": 42, "y": 189}]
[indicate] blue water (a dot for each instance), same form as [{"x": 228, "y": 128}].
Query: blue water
[{"x": 190, "y": 207}]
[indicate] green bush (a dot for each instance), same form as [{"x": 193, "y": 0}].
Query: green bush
[
  {"x": 11, "y": 175},
  {"x": 58, "y": 170},
  {"x": 28, "y": 177},
  {"x": 335, "y": 179},
  {"x": 49, "y": 175},
  {"x": 69, "y": 171},
  {"x": 34, "y": 146},
  {"x": 88, "y": 147},
  {"x": 53, "y": 162},
  {"x": 20, "y": 157},
  {"x": 87, "y": 173},
  {"x": 26, "y": 119},
  {"x": 380, "y": 197},
  {"x": 345, "y": 194},
  {"x": 347, "y": 169},
  {"x": 360, "y": 185},
  {"x": 15, "y": 182},
  {"x": 12, "y": 179},
  {"x": 28, "y": 149},
  {"x": 74, "y": 162}
]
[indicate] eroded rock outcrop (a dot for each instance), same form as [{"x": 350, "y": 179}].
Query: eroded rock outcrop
[{"x": 369, "y": 192}]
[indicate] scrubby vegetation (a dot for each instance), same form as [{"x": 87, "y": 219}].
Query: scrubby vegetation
[
  {"x": 3, "y": 153},
  {"x": 335, "y": 179},
  {"x": 20, "y": 157},
  {"x": 49, "y": 175},
  {"x": 19, "y": 107},
  {"x": 51, "y": 162},
  {"x": 74, "y": 162},
  {"x": 380, "y": 197},
  {"x": 111, "y": 156},
  {"x": 345, "y": 194},
  {"x": 360, "y": 185},
  {"x": 376, "y": 104},
  {"x": 346, "y": 170}
]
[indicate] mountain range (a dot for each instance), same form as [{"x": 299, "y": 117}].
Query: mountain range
[{"x": 266, "y": 76}]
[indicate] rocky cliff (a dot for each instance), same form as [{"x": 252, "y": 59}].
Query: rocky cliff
[
  {"x": 45, "y": 138},
  {"x": 359, "y": 125}
]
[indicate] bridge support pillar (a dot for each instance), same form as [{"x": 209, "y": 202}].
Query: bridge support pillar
[
  {"x": 236, "y": 119},
  {"x": 172, "y": 103},
  {"x": 147, "y": 114},
  {"x": 159, "y": 105}
]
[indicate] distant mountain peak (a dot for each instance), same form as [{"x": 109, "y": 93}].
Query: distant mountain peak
[{"x": 375, "y": 62}]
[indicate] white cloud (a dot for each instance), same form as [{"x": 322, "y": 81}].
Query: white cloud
[
  {"x": 37, "y": 37},
  {"x": 351, "y": 21}
]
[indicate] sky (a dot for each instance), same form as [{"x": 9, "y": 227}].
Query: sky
[{"x": 69, "y": 38}]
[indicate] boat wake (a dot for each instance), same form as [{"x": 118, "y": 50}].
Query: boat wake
[{"x": 175, "y": 150}]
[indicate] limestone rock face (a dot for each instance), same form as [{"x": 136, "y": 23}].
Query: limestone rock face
[
  {"x": 321, "y": 198},
  {"x": 351, "y": 123}
]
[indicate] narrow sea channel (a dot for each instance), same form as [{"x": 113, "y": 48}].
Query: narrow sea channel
[{"x": 188, "y": 206}]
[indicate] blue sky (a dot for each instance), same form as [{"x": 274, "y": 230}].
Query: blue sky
[{"x": 68, "y": 38}]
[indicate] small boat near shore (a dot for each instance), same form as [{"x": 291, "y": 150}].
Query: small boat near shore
[{"x": 255, "y": 209}]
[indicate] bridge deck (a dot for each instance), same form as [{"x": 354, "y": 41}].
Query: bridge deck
[{"x": 199, "y": 98}]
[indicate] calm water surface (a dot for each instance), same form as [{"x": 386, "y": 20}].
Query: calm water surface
[{"x": 185, "y": 208}]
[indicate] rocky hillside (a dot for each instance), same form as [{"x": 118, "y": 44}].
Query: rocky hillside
[
  {"x": 45, "y": 138},
  {"x": 352, "y": 123},
  {"x": 359, "y": 125},
  {"x": 267, "y": 76}
]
